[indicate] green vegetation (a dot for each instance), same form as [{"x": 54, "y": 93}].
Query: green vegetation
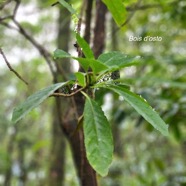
[{"x": 120, "y": 144}]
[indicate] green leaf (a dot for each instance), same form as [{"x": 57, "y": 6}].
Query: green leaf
[
  {"x": 85, "y": 47},
  {"x": 117, "y": 9},
  {"x": 84, "y": 62},
  {"x": 97, "y": 66},
  {"x": 117, "y": 60},
  {"x": 67, "y": 6},
  {"x": 33, "y": 101},
  {"x": 142, "y": 107},
  {"x": 58, "y": 53},
  {"x": 81, "y": 77},
  {"x": 98, "y": 137}
]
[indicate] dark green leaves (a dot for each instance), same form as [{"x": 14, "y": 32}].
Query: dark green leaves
[
  {"x": 73, "y": 12},
  {"x": 117, "y": 60},
  {"x": 106, "y": 62},
  {"x": 67, "y": 6},
  {"x": 81, "y": 78},
  {"x": 61, "y": 54},
  {"x": 142, "y": 107},
  {"x": 98, "y": 137},
  {"x": 95, "y": 65},
  {"x": 33, "y": 101},
  {"x": 117, "y": 10},
  {"x": 85, "y": 47}
]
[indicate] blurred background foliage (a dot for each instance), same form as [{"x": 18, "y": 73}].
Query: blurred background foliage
[{"x": 142, "y": 156}]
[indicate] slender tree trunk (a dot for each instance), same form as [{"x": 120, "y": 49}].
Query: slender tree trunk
[
  {"x": 58, "y": 145},
  {"x": 21, "y": 162},
  {"x": 88, "y": 19},
  {"x": 86, "y": 173},
  {"x": 99, "y": 29},
  {"x": 10, "y": 148},
  {"x": 118, "y": 145},
  {"x": 69, "y": 110},
  {"x": 57, "y": 155}
]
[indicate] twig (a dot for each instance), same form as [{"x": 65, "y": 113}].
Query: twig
[
  {"x": 41, "y": 49},
  {"x": 4, "y": 18},
  {"x": 16, "y": 8},
  {"x": 43, "y": 52},
  {"x": 11, "y": 69},
  {"x": 58, "y": 94},
  {"x": 8, "y": 25}
]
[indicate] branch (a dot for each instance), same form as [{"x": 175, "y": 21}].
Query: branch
[
  {"x": 7, "y": 17},
  {"x": 16, "y": 7},
  {"x": 43, "y": 52},
  {"x": 8, "y": 25},
  {"x": 11, "y": 69},
  {"x": 39, "y": 47},
  {"x": 57, "y": 94}
]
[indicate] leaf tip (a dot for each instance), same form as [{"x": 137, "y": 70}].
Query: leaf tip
[{"x": 166, "y": 133}]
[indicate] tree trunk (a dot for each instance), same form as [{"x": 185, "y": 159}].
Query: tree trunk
[
  {"x": 99, "y": 30},
  {"x": 118, "y": 145},
  {"x": 86, "y": 173},
  {"x": 10, "y": 148},
  {"x": 58, "y": 145},
  {"x": 57, "y": 155},
  {"x": 21, "y": 162},
  {"x": 70, "y": 109}
]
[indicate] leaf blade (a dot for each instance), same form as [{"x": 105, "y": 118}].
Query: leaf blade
[
  {"x": 84, "y": 62},
  {"x": 85, "y": 47},
  {"x": 81, "y": 78},
  {"x": 117, "y": 10},
  {"x": 98, "y": 137},
  {"x": 117, "y": 60},
  {"x": 67, "y": 6},
  {"x": 95, "y": 65},
  {"x": 33, "y": 101},
  {"x": 142, "y": 107},
  {"x": 58, "y": 53}
]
